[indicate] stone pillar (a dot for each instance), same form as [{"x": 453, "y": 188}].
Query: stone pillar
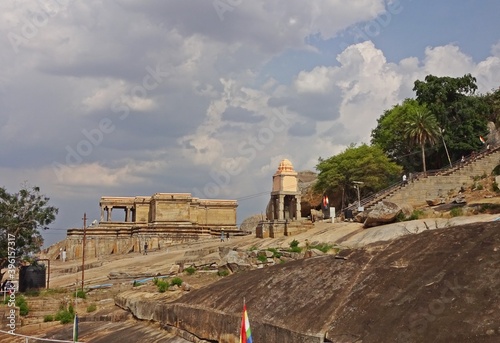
[
  {"x": 281, "y": 207},
  {"x": 102, "y": 213},
  {"x": 110, "y": 210},
  {"x": 299, "y": 207},
  {"x": 276, "y": 208},
  {"x": 127, "y": 214}
]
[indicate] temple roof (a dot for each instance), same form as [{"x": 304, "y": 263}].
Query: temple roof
[{"x": 285, "y": 166}]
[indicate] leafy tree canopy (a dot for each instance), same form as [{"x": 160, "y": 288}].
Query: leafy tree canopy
[
  {"x": 365, "y": 163},
  {"x": 390, "y": 134},
  {"x": 493, "y": 101},
  {"x": 22, "y": 216},
  {"x": 421, "y": 128},
  {"x": 459, "y": 112}
]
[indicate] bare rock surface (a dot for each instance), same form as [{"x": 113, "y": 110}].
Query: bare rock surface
[
  {"x": 282, "y": 297},
  {"x": 439, "y": 286}
]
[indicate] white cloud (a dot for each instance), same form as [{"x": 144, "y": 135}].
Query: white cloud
[
  {"x": 447, "y": 60},
  {"x": 215, "y": 109},
  {"x": 316, "y": 81}
]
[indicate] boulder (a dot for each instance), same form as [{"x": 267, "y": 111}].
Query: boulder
[
  {"x": 185, "y": 286},
  {"x": 174, "y": 269},
  {"x": 406, "y": 208},
  {"x": 316, "y": 215},
  {"x": 383, "y": 213},
  {"x": 459, "y": 199},
  {"x": 235, "y": 261},
  {"x": 250, "y": 223},
  {"x": 435, "y": 202},
  {"x": 361, "y": 217}
]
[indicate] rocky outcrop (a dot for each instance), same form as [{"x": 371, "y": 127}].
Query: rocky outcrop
[
  {"x": 436, "y": 286},
  {"x": 435, "y": 201},
  {"x": 384, "y": 212},
  {"x": 309, "y": 198},
  {"x": 250, "y": 223}
]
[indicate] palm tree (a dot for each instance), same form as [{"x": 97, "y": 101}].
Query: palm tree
[{"x": 422, "y": 128}]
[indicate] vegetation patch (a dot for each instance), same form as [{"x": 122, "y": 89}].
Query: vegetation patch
[
  {"x": 91, "y": 308},
  {"x": 190, "y": 270},
  {"x": 48, "y": 318},
  {"x": 65, "y": 315},
  {"x": 52, "y": 291},
  {"x": 262, "y": 257},
  {"x": 81, "y": 294},
  {"x": 416, "y": 214},
  {"x": 456, "y": 212},
  {"x": 176, "y": 281},
  {"x": 494, "y": 187},
  {"x": 223, "y": 272},
  {"x": 294, "y": 246},
  {"x": 323, "y": 247},
  {"x": 276, "y": 253},
  {"x": 162, "y": 285},
  {"x": 23, "y": 305}
]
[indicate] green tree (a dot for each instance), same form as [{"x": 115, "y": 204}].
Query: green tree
[
  {"x": 493, "y": 101},
  {"x": 22, "y": 216},
  {"x": 390, "y": 134},
  {"x": 365, "y": 163},
  {"x": 459, "y": 112},
  {"x": 422, "y": 128}
]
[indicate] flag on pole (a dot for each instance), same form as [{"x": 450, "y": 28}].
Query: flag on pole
[
  {"x": 75, "y": 329},
  {"x": 325, "y": 201},
  {"x": 482, "y": 139},
  {"x": 246, "y": 333}
]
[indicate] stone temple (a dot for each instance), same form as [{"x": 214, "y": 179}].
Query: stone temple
[
  {"x": 283, "y": 216},
  {"x": 127, "y": 223}
]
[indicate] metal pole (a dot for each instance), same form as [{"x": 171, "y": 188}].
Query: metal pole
[
  {"x": 359, "y": 200},
  {"x": 445, "y": 148},
  {"x": 83, "y": 252}
]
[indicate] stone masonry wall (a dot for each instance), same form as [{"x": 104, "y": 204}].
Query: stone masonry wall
[{"x": 446, "y": 186}]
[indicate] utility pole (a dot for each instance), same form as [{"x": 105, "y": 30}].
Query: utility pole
[
  {"x": 445, "y": 148},
  {"x": 83, "y": 251}
]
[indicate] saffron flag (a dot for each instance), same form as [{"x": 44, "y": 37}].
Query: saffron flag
[
  {"x": 75, "y": 329},
  {"x": 325, "y": 201},
  {"x": 482, "y": 139},
  {"x": 246, "y": 333}
]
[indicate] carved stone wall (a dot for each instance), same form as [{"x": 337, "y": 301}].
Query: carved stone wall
[{"x": 127, "y": 223}]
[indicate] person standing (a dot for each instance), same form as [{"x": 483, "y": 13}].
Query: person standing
[
  {"x": 222, "y": 235},
  {"x": 404, "y": 179},
  {"x": 145, "y": 248}
]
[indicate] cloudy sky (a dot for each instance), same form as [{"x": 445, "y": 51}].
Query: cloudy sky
[{"x": 207, "y": 96}]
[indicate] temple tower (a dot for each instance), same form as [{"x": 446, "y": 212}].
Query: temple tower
[{"x": 285, "y": 196}]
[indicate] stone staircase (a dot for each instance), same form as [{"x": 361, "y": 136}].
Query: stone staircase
[{"x": 444, "y": 183}]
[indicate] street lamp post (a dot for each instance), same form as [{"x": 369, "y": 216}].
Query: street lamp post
[{"x": 356, "y": 185}]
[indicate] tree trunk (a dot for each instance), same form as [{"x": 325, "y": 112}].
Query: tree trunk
[{"x": 423, "y": 159}]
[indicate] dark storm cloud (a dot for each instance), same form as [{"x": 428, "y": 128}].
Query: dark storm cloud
[
  {"x": 304, "y": 129},
  {"x": 243, "y": 23},
  {"x": 241, "y": 115},
  {"x": 312, "y": 105}
]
